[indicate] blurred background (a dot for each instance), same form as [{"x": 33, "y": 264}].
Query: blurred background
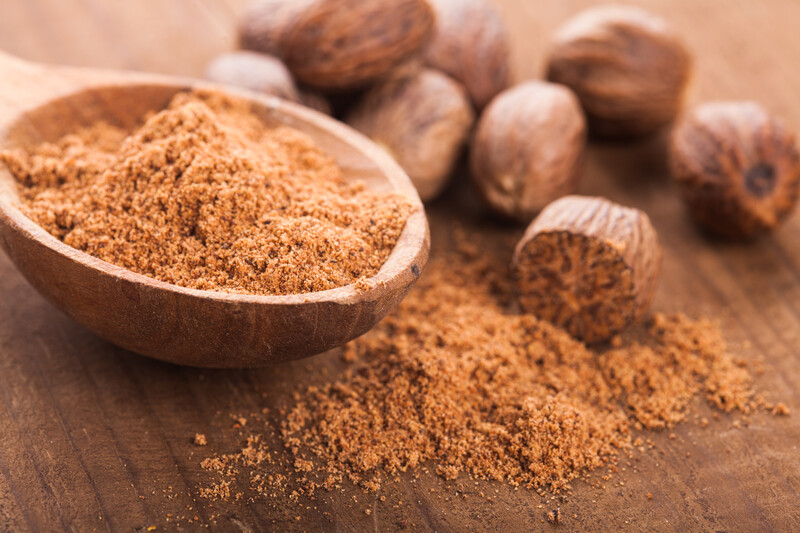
[{"x": 181, "y": 36}]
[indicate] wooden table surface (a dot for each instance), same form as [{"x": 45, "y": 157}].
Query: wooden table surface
[{"x": 95, "y": 438}]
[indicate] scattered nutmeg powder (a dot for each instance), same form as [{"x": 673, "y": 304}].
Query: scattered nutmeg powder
[
  {"x": 588, "y": 265},
  {"x": 470, "y": 386},
  {"x": 204, "y": 195}
]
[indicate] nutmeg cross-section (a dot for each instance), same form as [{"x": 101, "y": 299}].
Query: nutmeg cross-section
[{"x": 588, "y": 265}]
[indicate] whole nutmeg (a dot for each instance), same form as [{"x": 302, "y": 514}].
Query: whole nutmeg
[
  {"x": 628, "y": 69},
  {"x": 588, "y": 265},
  {"x": 315, "y": 100},
  {"x": 528, "y": 148},
  {"x": 471, "y": 45},
  {"x": 737, "y": 167},
  {"x": 423, "y": 120},
  {"x": 257, "y": 72},
  {"x": 338, "y": 44}
]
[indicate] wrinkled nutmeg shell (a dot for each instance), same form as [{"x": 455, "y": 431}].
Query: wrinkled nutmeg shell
[
  {"x": 422, "y": 118},
  {"x": 258, "y": 72},
  {"x": 471, "y": 45},
  {"x": 528, "y": 149},
  {"x": 338, "y": 44},
  {"x": 588, "y": 265},
  {"x": 737, "y": 167},
  {"x": 629, "y": 70}
]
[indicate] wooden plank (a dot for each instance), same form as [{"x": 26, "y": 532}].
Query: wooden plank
[{"x": 94, "y": 438}]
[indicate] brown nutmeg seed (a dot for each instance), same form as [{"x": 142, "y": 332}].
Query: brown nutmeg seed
[
  {"x": 471, "y": 45},
  {"x": 422, "y": 119},
  {"x": 315, "y": 100},
  {"x": 737, "y": 167},
  {"x": 338, "y": 44},
  {"x": 258, "y": 72},
  {"x": 629, "y": 70},
  {"x": 528, "y": 148},
  {"x": 588, "y": 265}
]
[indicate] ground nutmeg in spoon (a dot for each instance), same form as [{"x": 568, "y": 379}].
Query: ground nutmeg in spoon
[{"x": 204, "y": 195}]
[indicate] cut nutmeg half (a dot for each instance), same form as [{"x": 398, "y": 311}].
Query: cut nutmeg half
[
  {"x": 528, "y": 149},
  {"x": 422, "y": 118},
  {"x": 338, "y": 44},
  {"x": 737, "y": 167},
  {"x": 628, "y": 68},
  {"x": 588, "y": 265},
  {"x": 471, "y": 45}
]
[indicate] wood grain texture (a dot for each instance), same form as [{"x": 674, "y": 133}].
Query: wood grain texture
[{"x": 93, "y": 438}]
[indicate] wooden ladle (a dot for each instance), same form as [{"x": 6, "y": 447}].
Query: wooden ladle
[{"x": 41, "y": 103}]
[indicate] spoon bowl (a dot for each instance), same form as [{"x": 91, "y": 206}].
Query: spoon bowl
[{"x": 177, "y": 324}]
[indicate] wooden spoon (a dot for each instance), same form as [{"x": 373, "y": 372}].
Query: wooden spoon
[{"x": 202, "y": 328}]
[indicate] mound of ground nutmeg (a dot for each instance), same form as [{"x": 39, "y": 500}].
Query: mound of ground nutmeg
[
  {"x": 205, "y": 196},
  {"x": 456, "y": 379}
]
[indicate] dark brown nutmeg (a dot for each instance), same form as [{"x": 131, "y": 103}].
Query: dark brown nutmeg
[
  {"x": 422, "y": 119},
  {"x": 528, "y": 148},
  {"x": 315, "y": 100},
  {"x": 737, "y": 166},
  {"x": 258, "y": 72},
  {"x": 338, "y": 44},
  {"x": 627, "y": 67},
  {"x": 588, "y": 265},
  {"x": 471, "y": 45}
]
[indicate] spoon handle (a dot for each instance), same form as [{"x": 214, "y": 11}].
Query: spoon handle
[
  {"x": 25, "y": 85},
  {"x": 9, "y": 64}
]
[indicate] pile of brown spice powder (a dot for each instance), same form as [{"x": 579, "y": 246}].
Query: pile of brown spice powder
[
  {"x": 205, "y": 196},
  {"x": 455, "y": 378}
]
